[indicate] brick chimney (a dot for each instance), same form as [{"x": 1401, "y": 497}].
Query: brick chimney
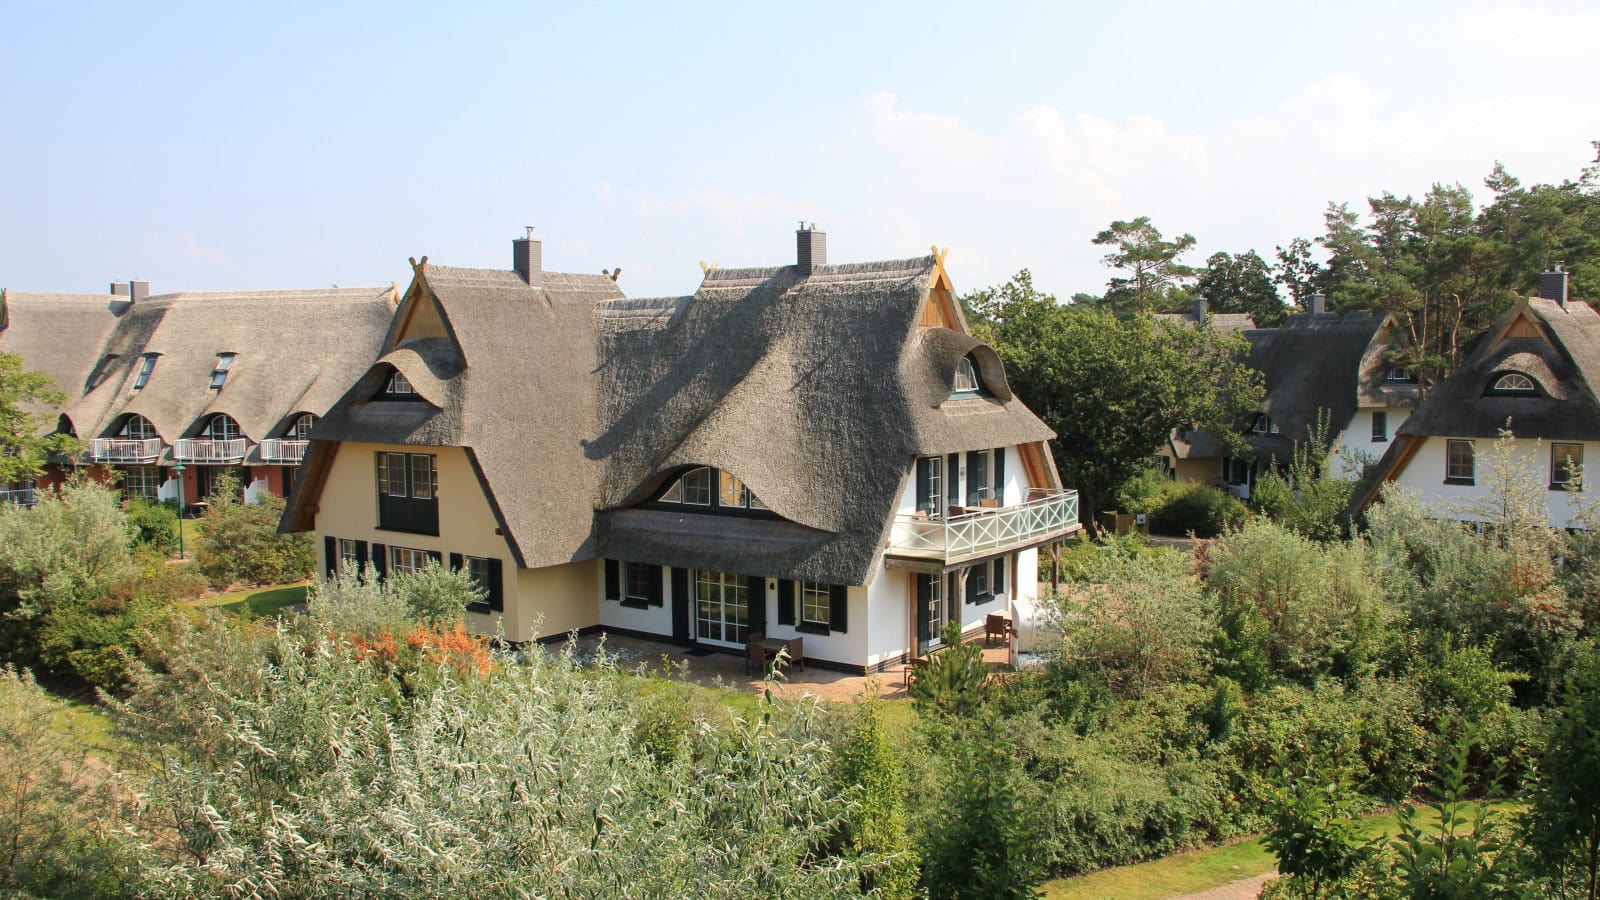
[
  {"x": 119, "y": 289},
  {"x": 1317, "y": 303},
  {"x": 811, "y": 248},
  {"x": 1553, "y": 285},
  {"x": 527, "y": 257},
  {"x": 138, "y": 290}
]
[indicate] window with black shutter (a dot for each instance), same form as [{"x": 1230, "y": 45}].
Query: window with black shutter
[
  {"x": 380, "y": 560},
  {"x": 330, "y": 556},
  {"x": 408, "y": 497}
]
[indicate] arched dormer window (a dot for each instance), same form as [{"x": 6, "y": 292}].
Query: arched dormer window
[
  {"x": 967, "y": 381},
  {"x": 137, "y": 428},
  {"x": 221, "y": 427},
  {"x": 713, "y": 490},
  {"x": 300, "y": 430},
  {"x": 398, "y": 387},
  {"x": 1264, "y": 425},
  {"x": 1513, "y": 383}
]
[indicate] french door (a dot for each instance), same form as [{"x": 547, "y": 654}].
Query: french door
[
  {"x": 722, "y": 608},
  {"x": 933, "y": 611}
]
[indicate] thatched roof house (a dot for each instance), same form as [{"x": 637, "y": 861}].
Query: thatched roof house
[{"x": 59, "y": 335}]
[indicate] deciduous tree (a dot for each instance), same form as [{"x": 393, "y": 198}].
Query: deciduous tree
[{"x": 28, "y": 402}]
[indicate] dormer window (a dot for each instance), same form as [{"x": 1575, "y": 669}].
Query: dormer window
[
  {"x": 147, "y": 365},
  {"x": 1264, "y": 425},
  {"x": 138, "y": 428},
  {"x": 1513, "y": 383},
  {"x": 221, "y": 427},
  {"x": 1398, "y": 373},
  {"x": 301, "y": 429},
  {"x": 716, "y": 490},
  {"x": 399, "y": 387},
  {"x": 967, "y": 380},
  {"x": 219, "y": 375}
]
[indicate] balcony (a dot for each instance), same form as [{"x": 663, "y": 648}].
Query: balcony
[
  {"x": 19, "y": 496},
  {"x": 1046, "y": 516},
  {"x": 283, "y": 450},
  {"x": 125, "y": 450},
  {"x": 205, "y": 450}
]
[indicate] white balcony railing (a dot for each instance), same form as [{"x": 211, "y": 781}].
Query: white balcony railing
[
  {"x": 283, "y": 450},
  {"x": 19, "y": 496},
  {"x": 125, "y": 450},
  {"x": 206, "y": 450},
  {"x": 976, "y": 532}
]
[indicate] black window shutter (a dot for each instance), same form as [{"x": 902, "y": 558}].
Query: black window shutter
[
  {"x": 653, "y": 589},
  {"x": 330, "y": 553},
  {"x": 972, "y": 585},
  {"x": 380, "y": 560},
  {"x": 998, "y": 582},
  {"x": 680, "y": 605},
  {"x": 839, "y": 612},
  {"x": 924, "y": 502},
  {"x": 952, "y": 479},
  {"x": 456, "y": 562},
  {"x": 1000, "y": 476},
  {"x": 496, "y": 586},
  {"x": 613, "y": 580},
  {"x": 756, "y": 593},
  {"x": 361, "y": 557},
  {"x": 785, "y": 602},
  {"x": 436, "y": 556},
  {"x": 972, "y": 481}
]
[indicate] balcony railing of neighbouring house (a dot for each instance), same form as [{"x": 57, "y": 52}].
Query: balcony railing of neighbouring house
[
  {"x": 125, "y": 450},
  {"x": 19, "y": 496},
  {"x": 974, "y": 532},
  {"x": 283, "y": 450},
  {"x": 205, "y": 450}
]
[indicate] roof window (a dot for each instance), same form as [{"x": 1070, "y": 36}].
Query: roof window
[
  {"x": 147, "y": 365},
  {"x": 1513, "y": 383},
  {"x": 219, "y": 375}
]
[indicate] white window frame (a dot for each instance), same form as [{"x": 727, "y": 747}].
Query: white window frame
[
  {"x": 300, "y": 430},
  {"x": 219, "y": 375},
  {"x": 694, "y": 489},
  {"x": 636, "y": 579},
  {"x": 816, "y": 603},
  {"x": 1451, "y": 467},
  {"x": 349, "y": 559},
  {"x": 966, "y": 380},
  {"x": 987, "y": 489},
  {"x": 144, "y": 432},
  {"x": 142, "y": 482},
  {"x": 1561, "y": 476},
  {"x": 935, "y": 485},
  {"x": 1515, "y": 383},
  {"x": 399, "y": 385},
  {"x": 415, "y": 560},
  {"x": 147, "y": 367},
  {"x": 221, "y": 427}
]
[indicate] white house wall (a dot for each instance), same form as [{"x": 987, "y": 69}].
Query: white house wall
[
  {"x": 651, "y": 619},
  {"x": 1424, "y": 474},
  {"x": 1355, "y": 447},
  {"x": 888, "y": 614}
]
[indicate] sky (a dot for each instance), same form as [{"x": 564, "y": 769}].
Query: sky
[{"x": 221, "y": 146}]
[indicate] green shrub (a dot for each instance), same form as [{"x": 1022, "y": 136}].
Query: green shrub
[
  {"x": 982, "y": 842},
  {"x": 877, "y": 828},
  {"x": 955, "y": 682},
  {"x": 1200, "y": 510},
  {"x": 240, "y": 542},
  {"x": 1146, "y": 492},
  {"x": 435, "y": 597},
  {"x": 156, "y": 523}
]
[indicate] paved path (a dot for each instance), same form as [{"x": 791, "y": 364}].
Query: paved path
[{"x": 1248, "y": 889}]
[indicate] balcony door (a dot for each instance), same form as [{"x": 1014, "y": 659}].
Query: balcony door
[
  {"x": 933, "y": 610},
  {"x": 722, "y": 608},
  {"x": 931, "y": 486}
]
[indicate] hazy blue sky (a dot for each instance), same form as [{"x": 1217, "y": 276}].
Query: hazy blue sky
[{"x": 215, "y": 146}]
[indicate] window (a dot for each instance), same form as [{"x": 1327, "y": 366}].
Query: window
[
  {"x": 1566, "y": 466},
  {"x": 816, "y": 603},
  {"x": 1380, "y": 426},
  {"x": 1458, "y": 462},
  {"x": 732, "y": 493},
  {"x": 1397, "y": 372},
  {"x": 978, "y": 580},
  {"x": 138, "y": 428},
  {"x": 350, "y": 556},
  {"x": 406, "y": 561},
  {"x": 147, "y": 365},
  {"x": 219, "y": 375},
  {"x": 399, "y": 387},
  {"x": 966, "y": 377},
  {"x": 408, "y": 492},
  {"x": 697, "y": 487},
  {"x": 636, "y": 578},
  {"x": 1264, "y": 425},
  {"x": 979, "y": 470},
  {"x": 301, "y": 429},
  {"x": 142, "y": 483},
  {"x": 1513, "y": 383},
  {"x": 221, "y": 428},
  {"x": 930, "y": 485}
]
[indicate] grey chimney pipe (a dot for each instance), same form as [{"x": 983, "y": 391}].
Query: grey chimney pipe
[
  {"x": 1318, "y": 303},
  {"x": 1553, "y": 285},
  {"x": 527, "y": 257},
  {"x": 811, "y": 248},
  {"x": 118, "y": 289},
  {"x": 138, "y": 290},
  {"x": 1200, "y": 310}
]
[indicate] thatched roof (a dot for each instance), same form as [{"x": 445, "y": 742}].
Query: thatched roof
[
  {"x": 576, "y": 404},
  {"x": 1566, "y": 369},
  {"x": 1225, "y": 322},
  {"x": 818, "y": 392},
  {"x": 295, "y": 352},
  {"x": 60, "y": 335}
]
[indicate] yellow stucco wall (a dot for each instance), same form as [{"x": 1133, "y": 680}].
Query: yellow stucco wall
[{"x": 565, "y": 595}]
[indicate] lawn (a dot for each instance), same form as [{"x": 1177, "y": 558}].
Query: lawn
[
  {"x": 1202, "y": 870},
  {"x": 261, "y": 603}
]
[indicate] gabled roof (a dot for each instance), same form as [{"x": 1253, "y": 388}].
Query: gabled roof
[
  {"x": 60, "y": 335},
  {"x": 1226, "y": 322},
  {"x": 1562, "y": 356},
  {"x": 295, "y": 351},
  {"x": 1315, "y": 363},
  {"x": 1557, "y": 346},
  {"x": 576, "y": 403}
]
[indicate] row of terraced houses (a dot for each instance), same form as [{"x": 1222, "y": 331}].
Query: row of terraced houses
[{"x": 804, "y": 449}]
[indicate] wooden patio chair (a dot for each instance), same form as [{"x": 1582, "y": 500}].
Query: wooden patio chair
[
  {"x": 996, "y": 624},
  {"x": 797, "y": 652},
  {"x": 755, "y": 652},
  {"x": 913, "y": 666}
]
